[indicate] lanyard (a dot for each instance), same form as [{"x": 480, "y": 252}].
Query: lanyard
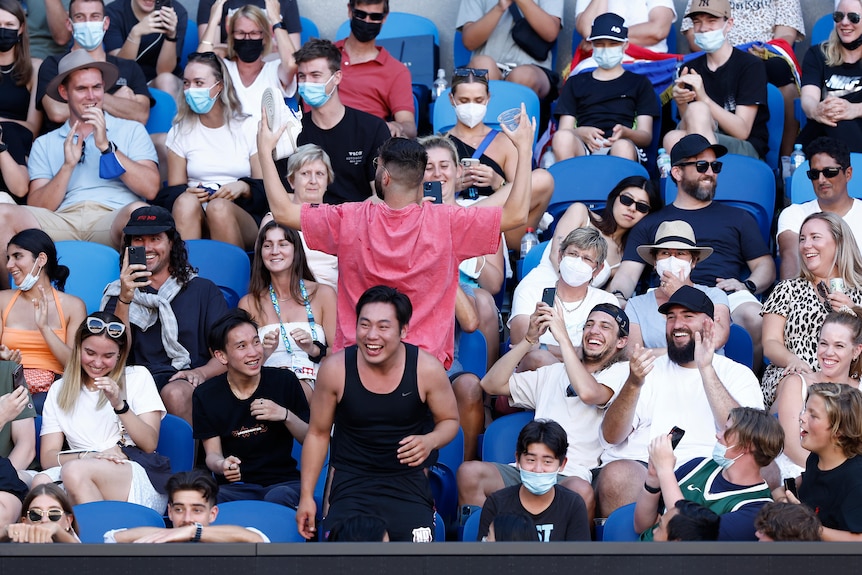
[{"x": 308, "y": 312}]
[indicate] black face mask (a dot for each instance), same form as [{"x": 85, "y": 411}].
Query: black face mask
[
  {"x": 248, "y": 50},
  {"x": 8, "y": 39},
  {"x": 852, "y": 45},
  {"x": 365, "y": 31}
]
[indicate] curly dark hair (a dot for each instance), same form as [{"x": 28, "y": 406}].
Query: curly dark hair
[{"x": 178, "y": 266}]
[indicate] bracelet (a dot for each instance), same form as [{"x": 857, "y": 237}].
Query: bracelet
[
  {"x": 653, "y": 490},
  {"x": 323, "y": 349},
  {"x": 123, "y": 409},
  {"x": 174, "y": 39},
  {"x": 528, "y": 340},
  {"x": 205, "y": 42},
  {"x": 286, "y": 415},
  {"x": 121, "y": 300},
  {"x": 620, "y": 295}
]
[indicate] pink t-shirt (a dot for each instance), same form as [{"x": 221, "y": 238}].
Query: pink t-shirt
[{"x": 416, "y": 249}]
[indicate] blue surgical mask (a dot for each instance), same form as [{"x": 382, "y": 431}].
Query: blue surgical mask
[
  {"x": 30, "y": 279},
  {"x": 710, "y": 41},
  {"x": 199, "y": 99},
  {"x": 719, "y": 455},
  {"x": 315, "y": 94},
  {"x": 608, "y": 58},
  {"x": 538, "y": 483},
  {"x": 89, "y": 35}
]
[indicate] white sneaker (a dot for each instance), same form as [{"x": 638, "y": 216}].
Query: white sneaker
[{"x": 277, "y": 115}]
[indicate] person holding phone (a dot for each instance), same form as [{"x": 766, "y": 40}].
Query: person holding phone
[
  {"x": 152, "y": 33},
  {"x": 729, "y": 483}
]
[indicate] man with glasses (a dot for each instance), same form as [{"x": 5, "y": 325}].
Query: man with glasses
[
  {"x": 581, "y": 257},
  {"x": 373, "y": 80},
  {"x": 126, "y": 97},
  {"x": 830, "y": 172},
  {"x": 722, "y": 94},
  {"x": 740, "y": 264}
]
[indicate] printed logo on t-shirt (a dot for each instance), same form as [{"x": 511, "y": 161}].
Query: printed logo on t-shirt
[
  {"x": 839, "y": 86},
  {"x": 422, "y": 535},
  {"x": 355, "y": 158},
  {"x": 545, "y": 532},
  {"x": 244, "y": 431}
]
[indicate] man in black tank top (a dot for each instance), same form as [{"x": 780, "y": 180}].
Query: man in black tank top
[{"x": 393, "y": 407}]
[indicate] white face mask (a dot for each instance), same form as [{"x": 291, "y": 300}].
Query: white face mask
[
  {"x": 710, "y": 41},
  {"x": 608, "y": 58},
  {"x": 575, "y": 271},
  {"x": 471, "y": 114},
  {"x": 31, "y": 278},
  {"x": 673, "y": 265}
]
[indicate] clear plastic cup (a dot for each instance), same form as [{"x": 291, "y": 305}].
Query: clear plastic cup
[{"x": 510, "y": 118}]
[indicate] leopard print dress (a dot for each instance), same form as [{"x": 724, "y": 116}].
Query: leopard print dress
[{"x": 797, "y": 301}]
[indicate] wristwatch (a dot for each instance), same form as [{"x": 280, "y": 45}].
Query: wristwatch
[
  {"x": 123, "y": 409},
  {"x": 750, "y": 286},
  {"x": 278, "y": 26},
  {"x": 112, "y": 147},
  {"x": 199, "y": 529}
]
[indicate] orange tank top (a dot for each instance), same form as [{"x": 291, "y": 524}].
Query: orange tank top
[{"x": 35, "y": 353}]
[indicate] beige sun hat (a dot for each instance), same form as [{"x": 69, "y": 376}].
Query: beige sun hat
[{"x": 673, "y": 234}]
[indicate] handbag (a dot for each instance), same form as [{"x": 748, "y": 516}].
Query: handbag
[
  {"x": 157, "y": 466},
  {"x": 526, "y": 38}
]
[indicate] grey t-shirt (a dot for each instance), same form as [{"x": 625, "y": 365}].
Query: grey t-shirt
[{"x": 643, "y": 310}]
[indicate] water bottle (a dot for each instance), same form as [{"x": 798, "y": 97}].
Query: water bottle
[
  {"x": 797, "y": 158},
  {"x": 440, "y": 84},
  {"x": 528, "y": 242},
  {"x": 663, "y": 163},
  {"x": 548, "y": 159}
]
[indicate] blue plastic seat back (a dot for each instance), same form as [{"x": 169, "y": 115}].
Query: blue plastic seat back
[
  {"x": 504, "y": 95},
  {"x": 775, "y": 126},
  {"x": 92, "y": 266},
  {"x": 97, "y": 517},
  {"x": 190, "y": 42},
  {"x": 739, "y": 346},
  {"x": 802, "y": 191},
  {"x": 501, "y": 437},
  {"x": 309, "y": 30},
  {"x": 821, "y": 29},
  {"x": 162, "y": 114},
  {"x": 177, "y": 443},
  {"x": 276, "y": 521},
  {"x": 533, "y": 259},
  {"x": 224, "y": 264},
  {"x": 471, "y": 527},
  {"x": 473, "y": 353},
  {"x": 620, "y": 526}
]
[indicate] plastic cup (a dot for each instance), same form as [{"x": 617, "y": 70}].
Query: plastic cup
[{"x": 510, "y": 118}]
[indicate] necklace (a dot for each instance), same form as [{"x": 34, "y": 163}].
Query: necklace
[
  {"x": 570, "y": 310},
  {"x": 6, "y": 68}
]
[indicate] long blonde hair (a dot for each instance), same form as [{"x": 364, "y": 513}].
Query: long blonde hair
[
  {"x": 73, "y": 376},
  {"x": 847, "y": 256},
  {"x": 186, "y": 119}
]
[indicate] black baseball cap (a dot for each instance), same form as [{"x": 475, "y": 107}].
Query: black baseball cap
[
  {"x": 149, "y": 220},
  {"x": 609, "y": 26},
  {"x": 615, "y": 312},
  {"x": 691, "y": 299},
  {"x": 692, "y": 145}
]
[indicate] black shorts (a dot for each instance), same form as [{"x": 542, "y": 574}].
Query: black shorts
[
  {"x": 9, "y": 481},
  {"x": 555, "y": 80},
  {"x": 778, "y": 72}
]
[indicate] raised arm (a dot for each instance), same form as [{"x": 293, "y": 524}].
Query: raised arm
[
  {"x": 617, "y": 423},
  {"x": 720, "y": 400},
  {"x": 517, "y": 206},
  {"x": 283, "y": 209}
]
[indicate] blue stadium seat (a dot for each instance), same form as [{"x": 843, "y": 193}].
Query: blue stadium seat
[
  {"x": 620, "y": 525},
  {"x": 501, "y": 437},
  {"x": 97, "y": 517},
  {"x": 309, "y": 30},
  {"x": 444, "y": 486},
  {"x": 588, "y": 179},
  {"x": 471, "y": 527},
  {"x": 224, "y": 264},
  {"x": 739, "y": 346},
  {"x": 744, "y": 183},
  {"x": 504, "y": 95},
  {"x": 190, "y": 42},
  {"x": 821, "y": 29},
  {"x": 802, "y": 191},
  {"x": 461, "y": 55},
  {"x": 775, "y": 126},
  {"x": 533, "y": 259},
  {"x": 162, "y": 114},
  {"x": 276, "y": 521},
  {"x": 320, "y": 487},
  {"x": 473, "y": 353},
  {"x": 92, "y": 266},
  {"x": 177, "y": 443}
]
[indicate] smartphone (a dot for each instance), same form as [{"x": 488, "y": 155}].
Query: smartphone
[
  {"x": 677, "y": 74},
  {"x": 824, "y": 293},
  {"x": 434, "y": 190},
  {"x": 790, "y": 485},
  {"x": 548, "y": 295},
  {"x": 138, "y": 255},
  {"x": 676, "y": 436},
  {"x": 18, "y": 378},
  {"x": 164, "y": 4},
  {"x": 470, "y": 162}
]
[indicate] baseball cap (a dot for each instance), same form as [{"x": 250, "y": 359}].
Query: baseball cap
[
  {"x": 615, "y": 312},
  {"x": 692, "y": 145},
  {"x": 609, "y": 26},
  {"x": 149, "y": 220},
  {"x": 691, "y": 299},
  {"x": 718, "y": 8}
]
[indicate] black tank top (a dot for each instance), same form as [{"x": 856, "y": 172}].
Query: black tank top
[
  {"x": 465, "y": 151},
  {"x": 368, "y": 426}
]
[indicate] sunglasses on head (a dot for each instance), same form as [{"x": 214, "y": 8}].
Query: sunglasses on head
[
  {"x": 35, "y": 515},
  {"x": 362, "y": 15},
  {"x": 702, "y": 166},
  {"x": 114, "y": 329},
  {"x": 854, "y": 17},
  {"x": 467, "y": 72},
  {"x": 642, "y": 207},
  {"x": 828, "y": 172},
  {"x": 194, "y": 56}
]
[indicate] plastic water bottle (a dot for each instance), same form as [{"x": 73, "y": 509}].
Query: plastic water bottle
[
  {"x": 528, "y": 242},
  {"x": 663, "y": 163},
  {"x": 440, "y": 84},
  {"x": 797, "y": 158}
]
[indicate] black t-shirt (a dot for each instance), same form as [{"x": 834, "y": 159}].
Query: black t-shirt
[
  {"x": 123, "y": 19},
  {"x": 730, "y": 231},
  {"x": 741, "y": 81},
  {"x": 834, "y": 495},
  {"x": 289, "y": 13},
  {"x": 131, "y": 75},
  {"x": 352, "y": 146},
  {"x": 197, "y": 307},
  {"x": 264, "y": 447},
  {"x": 565, "y": 519},
  {"x": 605, "y": 103},
  {"x": 844, "y": 81}
]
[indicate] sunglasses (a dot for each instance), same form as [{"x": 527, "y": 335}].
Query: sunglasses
[
  {"x": 199, "y": 56},
  {"x": 702, "y": 166},
  {"x": 627, "y": 201},
  {"x": 828, "y": 172},
  {"x": 362, "y": 15},
  {"x": 114, "y": 329},
  {"x": 467, "y": 72},
  {"x": 854, "y": 17},
  {"x": 35, "y": 515}
]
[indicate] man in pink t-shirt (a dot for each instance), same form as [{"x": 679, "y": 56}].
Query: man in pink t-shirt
[{"x": 403, "y": 241}]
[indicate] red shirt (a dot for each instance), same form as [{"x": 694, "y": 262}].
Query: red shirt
[{"x": 380, "y": 87}]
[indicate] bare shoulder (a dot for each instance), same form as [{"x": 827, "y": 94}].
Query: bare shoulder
[{"x": 429, "y": 366}]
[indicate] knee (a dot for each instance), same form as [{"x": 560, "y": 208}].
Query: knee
[
  {"x": 485, "y": 305},
  {"x": 536, "y": 359},
  {"x": 565, "y": 144},
  {"x": 283, "y": 495},
  {"x": 187, "y": 206},
  {"x": 177, "y": 396},
  {"x": 528, "y": 76},
  {"x": 483, "y": 62},
  {"x": 542, "y": 185},
  {"x": 618, "y": 476},
  {"x": 471, "y": 475},
  {"x": 74, "y": 473},
  {"x": 625, "y": 149},
  {"x": 467, "y": 390},
  {"x": 219, "y": 212}
]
